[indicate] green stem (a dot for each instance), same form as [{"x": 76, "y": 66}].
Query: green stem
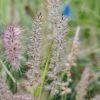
[
  {"x": 44, "y": 74},
  {"x": 7, "y": 71}
]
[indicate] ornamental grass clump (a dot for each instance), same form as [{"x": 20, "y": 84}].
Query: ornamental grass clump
[
  {"x": 54, "y": 75},
  {"x": 34, "y": 72},
  {"x": 12, "y": 44},
  {"x": 58, "y": 59}
]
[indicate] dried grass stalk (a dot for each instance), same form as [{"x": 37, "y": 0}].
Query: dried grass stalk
[{"x": 81, "y": 88}]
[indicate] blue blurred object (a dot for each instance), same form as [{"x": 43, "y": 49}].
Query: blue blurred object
[{"x": 66, "y": 10}]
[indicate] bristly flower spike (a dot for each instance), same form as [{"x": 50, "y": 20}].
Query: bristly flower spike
[
  {"x": 81, "y": 88},
  {"x": 74, "y": 50},
  {"x": 5, "y": 93},
  {"x": 12, "y": 44},
  {"x": 59, "y": 29},
  {"x": 33, "y": 73}
]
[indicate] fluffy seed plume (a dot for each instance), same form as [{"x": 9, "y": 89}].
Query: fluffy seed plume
[
  {"x": 53, "y": 6},
  {"x": 12, "y": 44},
  {"x": 33, "y": 73},
  {"x": 22, "y": 96},
  {"x": 5, "y": 94},
  {"x": 71, "y": 60},
  {"x": 74, "y": 50},
  {"x": 59, "y": 29},
  {"x": 83, "y": 84}
]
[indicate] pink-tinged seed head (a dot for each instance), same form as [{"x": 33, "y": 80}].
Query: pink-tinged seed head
[{"x": 12, "y": 46}]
